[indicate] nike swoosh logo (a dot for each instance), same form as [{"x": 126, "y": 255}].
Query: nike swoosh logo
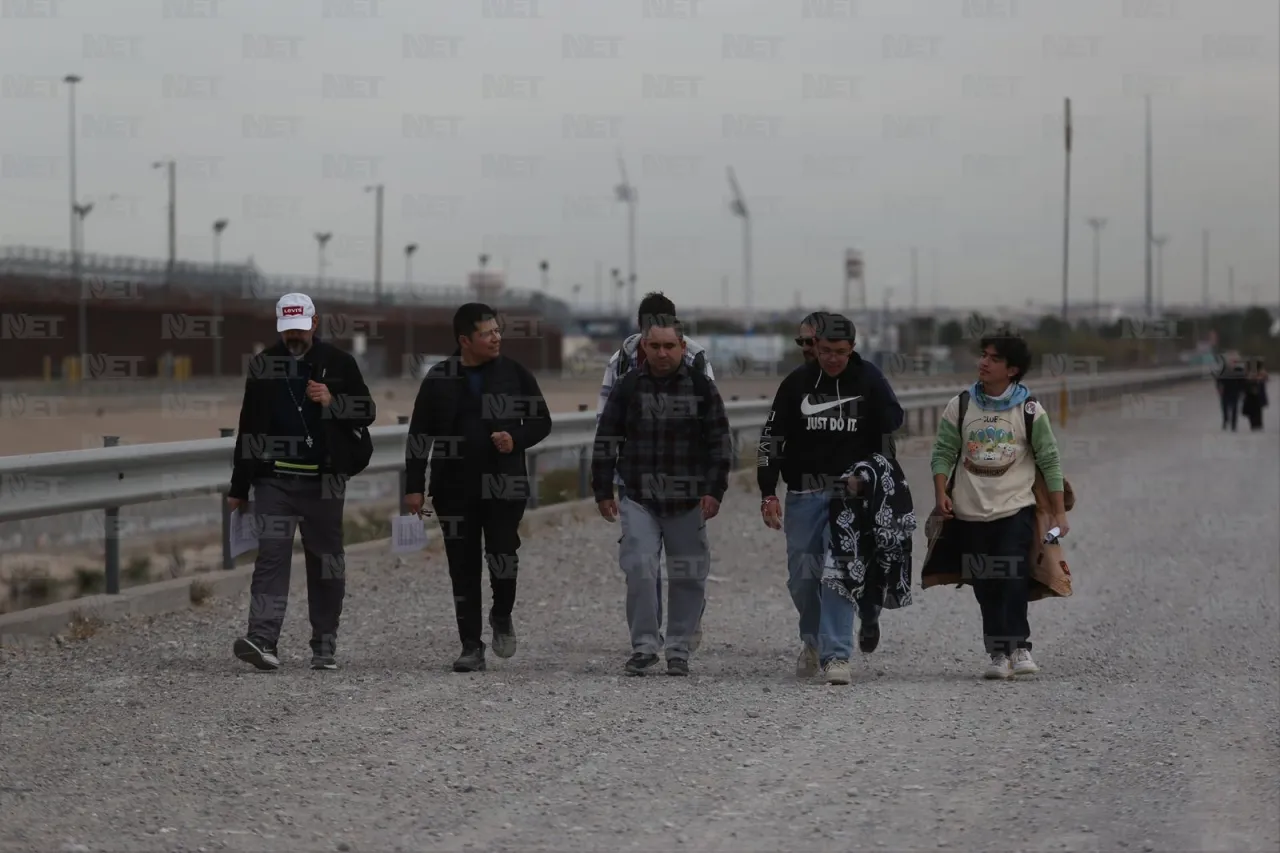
[{"x": 808, "y": 409}]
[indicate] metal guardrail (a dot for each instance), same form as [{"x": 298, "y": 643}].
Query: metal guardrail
[{"x": 46, "y": 484}]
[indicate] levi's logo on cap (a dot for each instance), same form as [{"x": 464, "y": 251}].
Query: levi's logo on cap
[{"x": 292, "y": 311}]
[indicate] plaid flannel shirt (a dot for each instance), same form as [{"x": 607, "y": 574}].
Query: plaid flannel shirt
[{"x": 667, "y": 455}]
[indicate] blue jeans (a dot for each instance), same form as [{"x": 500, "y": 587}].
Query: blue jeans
[{"x": 826, "y": 617}]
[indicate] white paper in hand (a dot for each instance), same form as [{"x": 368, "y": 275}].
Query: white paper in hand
[
  {"x": 408, "y": 534},
  {"x": 243, "y": 536}
]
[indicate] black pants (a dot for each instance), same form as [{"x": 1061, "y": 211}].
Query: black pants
[
  {"x": 279, "y": 505},
  {"x": 1230, "y": 409},
  {"x": 995, "y": 555},
  {"x": 463, "y": 521}
]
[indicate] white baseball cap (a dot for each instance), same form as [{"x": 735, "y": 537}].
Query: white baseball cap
[{"x": 294, "y": 311}]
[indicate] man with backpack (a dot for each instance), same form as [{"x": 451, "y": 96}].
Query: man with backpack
[
  {"x": 303, "y": 433},
  {"x": 665, "y": 433},
  {"x": 630, "y": 356},
  {"x": 826, "y": 416}
]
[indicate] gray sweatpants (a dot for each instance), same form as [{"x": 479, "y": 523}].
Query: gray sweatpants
[
  {"x": 279, "y": 505},
  {"x": 644, "y": 537}
]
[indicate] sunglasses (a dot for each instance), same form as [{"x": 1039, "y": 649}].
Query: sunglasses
[{"x": 804, "y": 342}]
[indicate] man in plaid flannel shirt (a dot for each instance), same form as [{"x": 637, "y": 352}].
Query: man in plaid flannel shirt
[
  {"x": 665, "y": 432},
  {"x": 629, "y": 357}
]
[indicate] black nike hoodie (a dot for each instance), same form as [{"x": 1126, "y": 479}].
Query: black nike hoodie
[{"x": 821, "y": 425}]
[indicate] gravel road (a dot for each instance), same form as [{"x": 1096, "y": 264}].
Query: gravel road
[{"x": 1152, "y": 727}]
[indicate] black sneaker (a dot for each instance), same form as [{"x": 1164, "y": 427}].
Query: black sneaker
[
  {"x": 640, "y": 663},
  {"x": 471, "y": 659},
  {"x": 504, "y": 636},
  {"x": 868, "y": 637},
  {"x": 258, "y": 652},
  {"x": 677, "y": 666},
  {"x": 323, "y": 662}
]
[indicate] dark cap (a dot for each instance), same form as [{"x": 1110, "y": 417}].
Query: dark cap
[{"x": 834, "y": 327}]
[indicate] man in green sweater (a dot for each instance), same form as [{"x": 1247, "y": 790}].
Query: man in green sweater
[{"x": 989, "y": 507}]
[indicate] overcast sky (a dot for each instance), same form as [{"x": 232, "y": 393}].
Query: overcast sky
[{"x": 495, "y": 126}]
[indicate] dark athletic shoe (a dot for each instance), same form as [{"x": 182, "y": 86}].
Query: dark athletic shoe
[
  {"x": 258, "y": 652},
  {"x": 471, "y": 659},
  {"x": 677, "y": 666},
  {"x": 640, "y": 663},
  {"x": 323, "y": 662},
  {"x": 504, "y": 636},
  {"x": 868, "y": 637}
]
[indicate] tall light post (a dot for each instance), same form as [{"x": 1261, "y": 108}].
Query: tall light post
[
  {"x": 739, "y": 208},
  {"x": 627, "y": 193},
  {"x": 322, "y": 240},
  {"x": 377, "y": 190},
  {"x": 408, "y": 315},
  {"x": 219, "y": 225},
  {"x": 1097, "y": 223},
  {"x": 1204, "y": 269},
  {"x": 1159, "y": 242},
  {"x": 78, "y": 213},
  {"x": 1150, "y": 228},
  {"x": 170, "y": 167},
  {"x": 82, "y": 314},
  {"x": 1066, "y": 208},
  {"x": 544, "y": 267}
]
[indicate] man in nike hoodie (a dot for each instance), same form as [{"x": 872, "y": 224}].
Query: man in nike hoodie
[{"x": 826, "y": 416}]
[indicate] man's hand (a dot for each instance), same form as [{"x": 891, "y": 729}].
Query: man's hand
[
  {"x": 318, "y": 393},
  {"x": 608, "y": 510},
  {"x": 503, "y": 441},
  {"x": 1060, "y": 521},
  {"x": 771, "y": 512},
  {"x": 417, "y": 504},
  {"x": 236, "y": 503},
  {"x": 710, "y": 507},
  {"x": 943, "y": 506}
]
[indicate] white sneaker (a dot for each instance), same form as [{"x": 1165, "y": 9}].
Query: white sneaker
[
  {"x": 1000, "y": 667},
  {"x": 807, "y": 663},
  {"x": 838, "y": 672},
  {"x": 1023, "y": 664}
]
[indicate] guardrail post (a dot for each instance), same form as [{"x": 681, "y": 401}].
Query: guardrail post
[
  {"x": 532, "y": 467},
  {"x": 404, "y": 472},
  {"x": 582, "y": 407},
  {"x": 228, "y": 562},
  {"x": 111, "y": 534}
]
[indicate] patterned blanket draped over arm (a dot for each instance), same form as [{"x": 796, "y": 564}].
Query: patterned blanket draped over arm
[{"x": 870, "y": 556}]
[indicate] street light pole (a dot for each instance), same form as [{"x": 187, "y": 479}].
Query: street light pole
[
  {"x": 171, "y": 173},
  {"x": 1204, "y": 269},
  {"x": 627, "y": 193},
  {"x": 219, "y": 225},
  {"x": 322, "y": 239},
  {"x": 82, "y": 319},
  {"x": 545, "y": 267},
  {"x": 80, "y": 211},
  {"x": 1066, "y": 209},
  {"x": 408, "y": 315},
  {"x": 1097, "y": 223},
  {"x": 1159, "y": 241},
  {"x": 1150, "y": 228},
  {"x": 377, "y": 190},
  {"x": 738, "y": 206}
]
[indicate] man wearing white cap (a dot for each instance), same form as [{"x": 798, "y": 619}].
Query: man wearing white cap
[{"x": 303, "y": 432}]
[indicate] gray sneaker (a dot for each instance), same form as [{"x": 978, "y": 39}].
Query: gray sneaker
[
  {"x": 504, "y": 637},
  {"x": 258, "y": 652}
]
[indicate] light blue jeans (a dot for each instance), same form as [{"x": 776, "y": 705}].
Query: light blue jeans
[{"x": 826, "y": 617}]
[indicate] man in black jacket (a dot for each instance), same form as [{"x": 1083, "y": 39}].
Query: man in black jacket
[
  {"x": 476, "y": 414},
  {"x": 827, "y": 415},
  {"x": 303, "y": 433}
]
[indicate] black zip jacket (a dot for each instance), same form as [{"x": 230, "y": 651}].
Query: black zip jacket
[
  {"x": 464, "y": 463},
  {"x": 258, "y": 446},
  {"x": 820, "y": 425}
]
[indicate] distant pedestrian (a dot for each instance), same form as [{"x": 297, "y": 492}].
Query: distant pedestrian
[
  {"x": 1231, "y": 381},
  {"x": 664, "y": 431},
  {"x": 1254, "y": 394},
  {"x": 994, "y": 445},
  {"x": 827, "y": 416},
  {"x": 629, "y": 357},
  {"x": 303, "y": 432},
  {"x": 476, "y": 414}
]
